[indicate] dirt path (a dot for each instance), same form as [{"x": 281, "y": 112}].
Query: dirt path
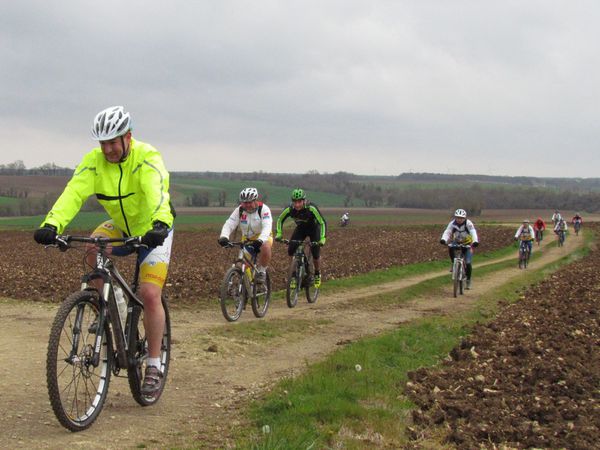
[{"x": 205, "y": 389}]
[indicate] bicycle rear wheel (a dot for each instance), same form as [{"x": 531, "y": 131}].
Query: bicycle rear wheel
[
  {"x": 77, "y": 389},
  {"x": 461, "y": 281},
  {"x": 291, "y": 293},
  {"x": 138, "y": 354},
  {"x": 232, "y": 294},
  {"x": 261, "y": 296}
]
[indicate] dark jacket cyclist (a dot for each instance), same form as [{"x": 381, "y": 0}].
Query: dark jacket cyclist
[{"x": 309, "y": 223}]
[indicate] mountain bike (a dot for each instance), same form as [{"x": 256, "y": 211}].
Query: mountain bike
[
  {"x": 90, "y": 339},
  {"x": 577, "y": 227},
  {"x": 239, "y": 285},
  {"x": 561, "y": 237},
  {"x": 301, "y": 274},
  {"x": 524, "y": 255},
  {"x": 539, "y": 236},
  {"x": 459, "y": 267}
]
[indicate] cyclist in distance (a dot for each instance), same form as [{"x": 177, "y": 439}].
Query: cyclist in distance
[
  {"x": 556, "y": 217},
  {"x": 461, "y": 231},
  {"x": 526, "y": 233},
  {"x": 539, "y": 225},
  {"x": 561, "y": 225},
  {"x": 255, "y": 221},
  {"x": 309, "y": 222},
  {"x": 129, "y": 179},
  {"x": 577, "y": 221},
  {"x": 345, "y": 219}
]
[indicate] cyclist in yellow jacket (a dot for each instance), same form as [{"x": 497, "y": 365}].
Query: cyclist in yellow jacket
[{"x": 129, "y": 179}]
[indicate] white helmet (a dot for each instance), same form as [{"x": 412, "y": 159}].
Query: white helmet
[
  {"x": 460, "y": 213},
  {"x": 248, "y": 195},
  {"x": 111, "y": 123}
]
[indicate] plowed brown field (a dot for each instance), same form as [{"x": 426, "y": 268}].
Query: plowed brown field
[{"x": 198, "y": 263}]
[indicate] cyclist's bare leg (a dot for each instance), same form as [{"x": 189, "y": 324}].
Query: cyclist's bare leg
[
  {"x": 154, "y": 317},
  {"x": 264, "y": 257}
]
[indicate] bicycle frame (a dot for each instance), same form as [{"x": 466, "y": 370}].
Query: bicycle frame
[{"x": 107, "y": 272}]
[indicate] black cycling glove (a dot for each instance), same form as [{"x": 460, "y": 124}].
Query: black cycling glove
[
  {"x": 46, "y": 235},
  {"x": 256, "y": 244},
  {"x": 157, "y": 235},
  {"x": 223, "y": 241}
]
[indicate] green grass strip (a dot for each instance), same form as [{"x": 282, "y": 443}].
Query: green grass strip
[{"x": 337, "y": 403}]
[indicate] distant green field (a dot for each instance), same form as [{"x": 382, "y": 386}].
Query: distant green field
[
  {"x": 274, "y": 195},
  {"x": 8, "y": 200}
]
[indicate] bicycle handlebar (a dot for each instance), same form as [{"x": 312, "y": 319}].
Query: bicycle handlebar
[
  {"x": 456, "y": 245},
  {"x": 63, "y": 242}
]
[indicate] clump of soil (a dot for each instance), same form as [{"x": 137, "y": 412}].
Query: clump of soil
[{"x": 530, "y": 378}]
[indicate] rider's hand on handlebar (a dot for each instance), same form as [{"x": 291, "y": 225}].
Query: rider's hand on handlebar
[
  {"x": 223, "y": 241},
  {"x": 321, "y": 242},
  {"x": 475, "y": 244},
  {"x": 279, "y": 238},
  {"x": 442, "y": 241},
  {"x": 46, "y": 235},
  {"x": 157, "y": 235},
  {"x": 256, "y": 244}
]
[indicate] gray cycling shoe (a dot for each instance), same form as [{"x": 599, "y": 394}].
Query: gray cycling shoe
[
  {"x": 152, "y": 381},
  {"x": 468, "y": 284}
]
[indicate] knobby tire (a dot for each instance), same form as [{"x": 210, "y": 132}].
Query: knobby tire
[
  {"x": 261, "y": 296},
  {"x": 138, "y": 354},
  {"x": 232, "y": 294},
  {"x": 291, "y": 295},
  {"x": 76, "y": 388}
]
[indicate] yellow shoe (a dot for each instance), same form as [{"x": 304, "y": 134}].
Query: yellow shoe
[
  {"x": 317, "y": 281},
  {"x": 293, "y": 283}
]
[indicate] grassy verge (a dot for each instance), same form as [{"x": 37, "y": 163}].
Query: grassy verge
[{"x": 354, "y": 399}]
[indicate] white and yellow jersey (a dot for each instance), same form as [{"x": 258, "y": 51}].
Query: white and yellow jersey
[
  {"x": 525, "y": 233},
  {"x": 462, "y": 234},
  {"x": 254, "y": 225}
]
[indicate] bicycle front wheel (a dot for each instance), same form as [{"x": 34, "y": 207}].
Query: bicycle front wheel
[
  {"x": 293, "y": 285},
  {"x": 261, "y": 296},
  {"x": 455, "y": 277},
  {"x": 311, "y": 291},
  {"x": 232, "y": 294},
  {"x": 77, "y": 388},
  {"x": 138, "y": 354}
]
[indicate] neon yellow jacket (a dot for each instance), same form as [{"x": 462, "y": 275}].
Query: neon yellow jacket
[{"x": 134, "y": 193}]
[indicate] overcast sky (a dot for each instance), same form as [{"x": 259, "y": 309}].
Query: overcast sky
[{"x": 369, "y": 87}]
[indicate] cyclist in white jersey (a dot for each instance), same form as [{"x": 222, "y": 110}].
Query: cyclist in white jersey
[
  {"x": 461, "y": 231},
  {"x": 526, "y": 233},
  {"x": 255, "y": 222}
]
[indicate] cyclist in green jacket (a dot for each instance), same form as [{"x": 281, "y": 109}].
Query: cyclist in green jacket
[
  {"x": 309, "y": 222},
  {"x": 129, "y": 180}
]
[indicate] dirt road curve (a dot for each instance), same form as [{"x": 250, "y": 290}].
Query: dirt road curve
[{"x": 205, "y": 389}]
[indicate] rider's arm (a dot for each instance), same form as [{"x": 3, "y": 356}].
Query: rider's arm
[
  {"x": 531, "y": 233},
  {"x": 231, "y": 223},
  {"x": 447, "y": 234},
  {"x": 519, "y": 231},
  {"x": 267, "y": 223},
  {"x": 78, "y": 189},
  {"x": 472, "y": 231},
  {"x": 284, "y": 215},
  {"x": 320, "y": 220},
  {"x": 154, "y": 181}
]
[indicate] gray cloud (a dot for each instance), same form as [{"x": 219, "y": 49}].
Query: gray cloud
[{"x": 368, "y": 87}]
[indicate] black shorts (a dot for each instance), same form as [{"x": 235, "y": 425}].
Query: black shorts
[{"x": 300, "y": 233}]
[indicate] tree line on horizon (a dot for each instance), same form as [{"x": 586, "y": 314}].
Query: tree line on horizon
[{"x": 426, "y": 191}]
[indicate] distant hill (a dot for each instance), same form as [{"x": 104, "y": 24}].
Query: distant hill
[{"x": 32, "y": 191}]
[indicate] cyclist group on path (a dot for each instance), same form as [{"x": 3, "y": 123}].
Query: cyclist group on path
[{"x": 129, "y": 179}]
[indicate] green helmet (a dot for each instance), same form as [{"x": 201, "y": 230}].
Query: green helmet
[{"x": 298, "y": 194}]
